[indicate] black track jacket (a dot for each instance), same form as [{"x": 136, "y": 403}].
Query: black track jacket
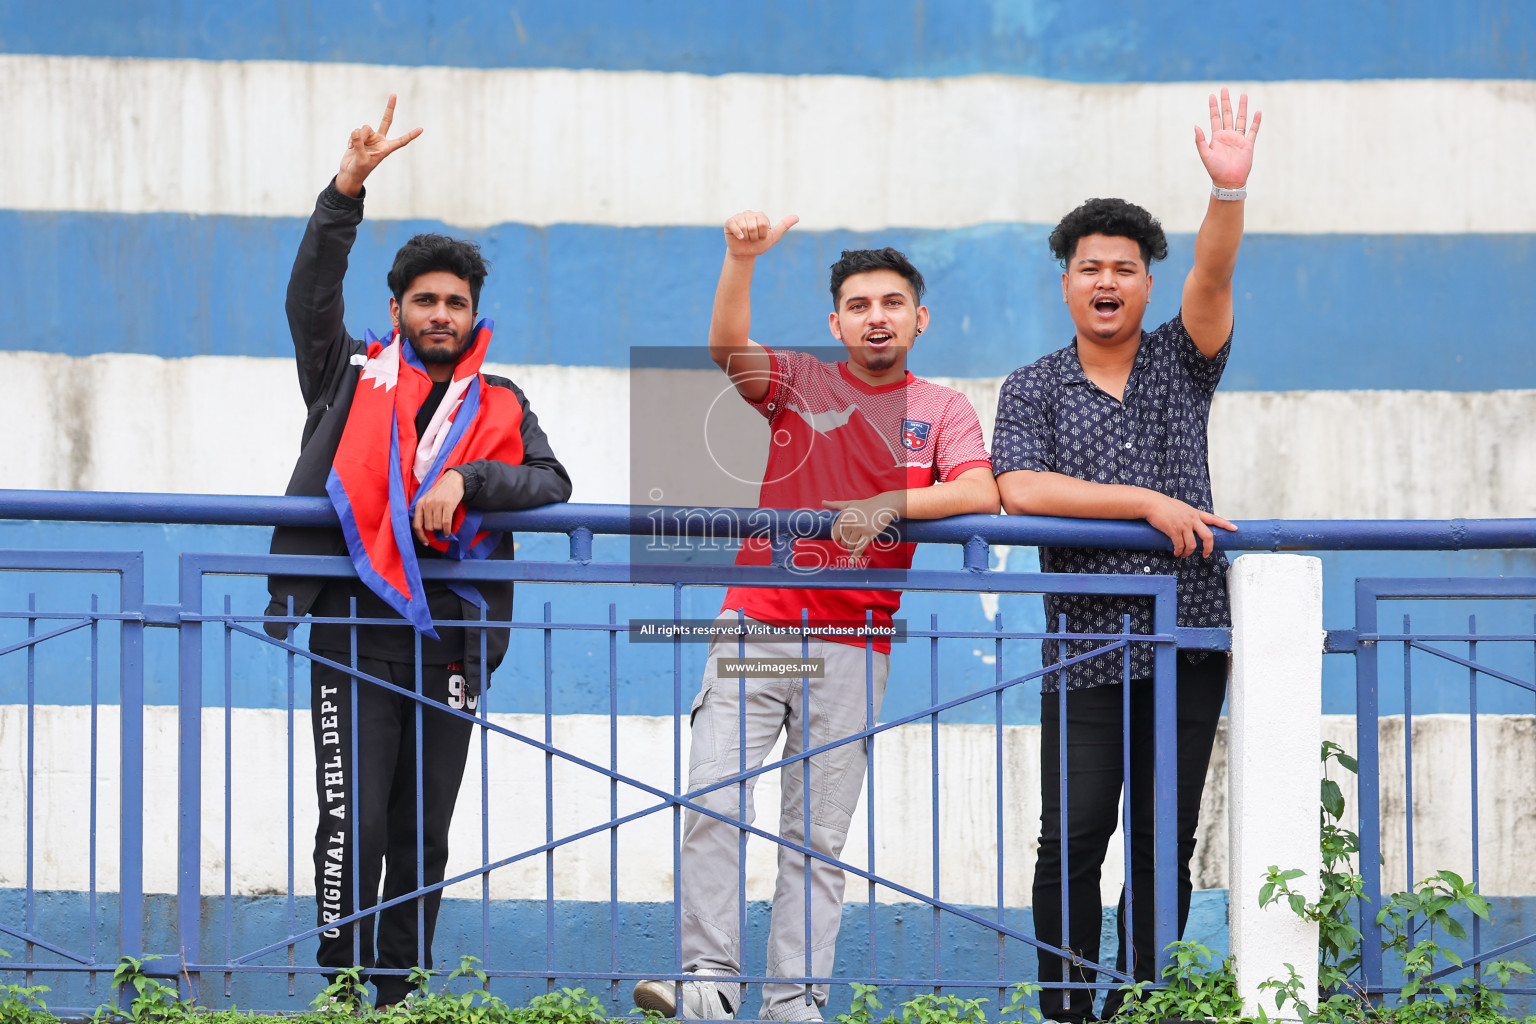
[{"x": 328, "y": 379}]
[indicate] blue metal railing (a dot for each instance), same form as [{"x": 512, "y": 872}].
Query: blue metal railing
[
  {"x": 574, "y": 519},
  {"x": 579, "y": 523}
]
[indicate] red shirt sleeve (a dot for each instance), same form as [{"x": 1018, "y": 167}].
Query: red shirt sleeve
[
  {"x": 786, "y": 371},
  {"x": 960, "y": 446}
]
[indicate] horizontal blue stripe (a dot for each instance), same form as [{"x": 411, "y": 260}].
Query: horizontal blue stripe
[
  {"x": 1314, "y": 312},
  {"x": 646, "y": 685},
  {"x": 902, "y": 944},
  {"x": 1265, "y": 40}
]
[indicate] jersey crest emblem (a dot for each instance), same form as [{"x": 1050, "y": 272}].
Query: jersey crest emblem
[{"x": 914, "y": 434}]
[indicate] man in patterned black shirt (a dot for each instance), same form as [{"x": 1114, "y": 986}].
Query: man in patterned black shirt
[{"x": 1114, "y": 427}]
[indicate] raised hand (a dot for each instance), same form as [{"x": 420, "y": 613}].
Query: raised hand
[
  {"x": 1228, "y": 156},
  {"x": 749, "y": 234},
  {"x": 366, "y": 148}
]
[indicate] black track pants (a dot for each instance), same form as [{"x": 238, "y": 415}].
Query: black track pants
[
  {"x": 381, "y": 780},
  {"x": 1094, "y": 776}
]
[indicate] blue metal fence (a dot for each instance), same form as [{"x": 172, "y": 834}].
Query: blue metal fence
[
  {"x": 1427, "y": 649},
  {"x": 285, "y": 951}
]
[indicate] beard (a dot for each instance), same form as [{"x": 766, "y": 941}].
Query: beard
[
  {"x": 439, "y": 353},
  {"x": 877, "y": 361}
]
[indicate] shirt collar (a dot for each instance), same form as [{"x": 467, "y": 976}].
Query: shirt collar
[{"x": 1070, "y": 369}]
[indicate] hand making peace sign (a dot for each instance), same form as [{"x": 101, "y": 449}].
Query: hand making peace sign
[
  {"x": 1229, "y": 154},
  {"x": 366, "y": 148}
]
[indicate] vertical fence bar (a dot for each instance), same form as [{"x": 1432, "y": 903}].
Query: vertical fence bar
[
  {"x": 1408, "y": 744},
  {"x": 229, "y": 785},
  {"x": 933, "y": 745},
  {"x": 1477, "y": 930},
  {"x": 189, "y": 712},
  {"x": 549, "y": 800},
  {"x": 1061, "y": 808},
  {"x": 869, "y": 775},
  {"x": 421, "y": 838},
  {"x": 613, "y": 800},
  {"x": 740, "y": 952},
  {"x": 288, "y": 710},
  {"x": 485, "y": 793},
  {"x": 677, "y": 788},
  {"x": 1367, "y": 705},
  {"x": 997, "y": 676},
  {"x": 1165, "y": 834},
  {"x": 130, "y": 886},
  {"x": 95, "y": 736},
  {"x": 1125, "y": 793},
  {"x": 805, "y": 789},
  {"x": 352, "y": 786},
  {"x": 31, "y": 894}
]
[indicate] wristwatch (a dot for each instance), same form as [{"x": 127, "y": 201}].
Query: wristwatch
[{"x": 1230, "y": 195}]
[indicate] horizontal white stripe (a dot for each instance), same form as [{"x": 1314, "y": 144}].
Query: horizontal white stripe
[
  {"x": 259, "y": 844},
  {"x": 967, "y": 774},
  {"x": 230, "y": 425},
  {"x": 651, "y": 148}
]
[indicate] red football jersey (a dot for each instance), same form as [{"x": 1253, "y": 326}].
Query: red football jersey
[{"x": 834, "y": 438}]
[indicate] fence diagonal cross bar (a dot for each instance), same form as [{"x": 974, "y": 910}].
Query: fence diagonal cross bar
[{"x": 732, "y": 780}]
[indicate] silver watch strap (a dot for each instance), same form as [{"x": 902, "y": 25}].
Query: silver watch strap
[{"x": 1230, "y": 195}]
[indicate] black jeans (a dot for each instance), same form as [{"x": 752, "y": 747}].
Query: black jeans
[
  {"x": 382, "y": 783},
  {"x": 1094, "y": 774}
]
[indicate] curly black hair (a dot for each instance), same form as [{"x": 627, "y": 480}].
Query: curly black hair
[
  {"x": 860, "y": 261},
  {"x": 1116, "y": 218},
  {"x": 428, "y": 252}
]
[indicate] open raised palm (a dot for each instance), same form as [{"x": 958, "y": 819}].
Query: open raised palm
[{"x": 1228, "y": 155}]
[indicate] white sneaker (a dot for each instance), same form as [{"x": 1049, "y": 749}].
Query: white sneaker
[
  {"x": 702, "y": 1000},
  {"x": 796, "y": 1009}
]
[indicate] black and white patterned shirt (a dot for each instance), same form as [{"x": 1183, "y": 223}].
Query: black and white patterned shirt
[{"x": 1052, "y": 418}]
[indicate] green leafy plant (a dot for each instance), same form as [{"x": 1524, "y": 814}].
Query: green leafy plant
[
  {"x": 22, "y": 1004},
  {"x": 864, "y": 1007},
  {"x": 153, "y": 1000},
  {"x": 1414, "y": 923},
  {"x": 346, "y": 996},
  {"x": 932, "y": 1008},
  {"x": 1021, "y": 1003},
  {"x": 1198, "y": 983},
  {"x": 564, "y": 1006}
]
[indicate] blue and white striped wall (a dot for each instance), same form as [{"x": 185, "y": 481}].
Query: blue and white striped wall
[{"x": 163, "y": 158}]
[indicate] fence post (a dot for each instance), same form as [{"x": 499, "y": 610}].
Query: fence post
[{"x": 1274, "y": 711}]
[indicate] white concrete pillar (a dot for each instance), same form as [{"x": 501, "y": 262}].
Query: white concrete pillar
[{"x": 1275, "y": 729}]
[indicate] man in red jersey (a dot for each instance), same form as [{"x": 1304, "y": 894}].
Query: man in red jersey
[{"x": 868, "y": 438}]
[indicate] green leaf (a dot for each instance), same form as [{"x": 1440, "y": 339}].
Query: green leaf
[{"x": 1333, "y": 799}]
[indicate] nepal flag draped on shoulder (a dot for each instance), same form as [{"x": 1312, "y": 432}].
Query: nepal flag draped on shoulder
[{"x": 381, "y": 467}]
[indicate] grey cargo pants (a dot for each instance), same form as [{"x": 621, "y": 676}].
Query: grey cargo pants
[{"x": 838, "y": 704}]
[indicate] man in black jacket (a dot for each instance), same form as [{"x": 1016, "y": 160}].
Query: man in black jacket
[{"x": 366, "y": 781}]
